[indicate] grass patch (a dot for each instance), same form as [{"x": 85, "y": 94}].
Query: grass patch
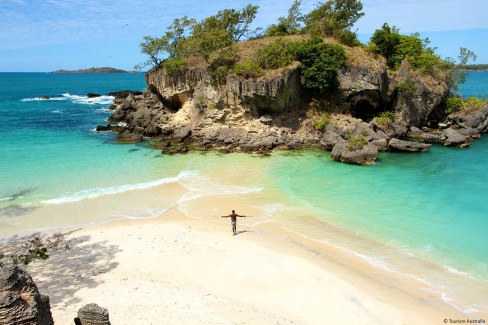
[{"x": 385, "y": 117}]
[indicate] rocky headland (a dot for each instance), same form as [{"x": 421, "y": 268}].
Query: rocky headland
[{"x": 373, "y": 109}]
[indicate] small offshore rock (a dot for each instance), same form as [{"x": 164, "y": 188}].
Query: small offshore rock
[
  {"x": 103, "y": 128},
  {"x": 364, "y": 155},
  {"x": 92, "y": 95}
]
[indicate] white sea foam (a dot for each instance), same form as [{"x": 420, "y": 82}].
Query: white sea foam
[
  {"x": 142, "y": 213},
  {"x": 97, "y": 192},
  {"x": 376, "y": 262},
  {"x": 453, "y": 270},
  {"x": 7, "y": 198},
  {"x": 35, "y": 99},
  {"x": 203, "y": 186},
  {"x": 448, "y": 300},
  {"x": 102, "y": 100}
]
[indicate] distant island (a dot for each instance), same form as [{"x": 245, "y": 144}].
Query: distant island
[
  {"x": 92, "y": 70},
  {"x": 476, "y": 67}
]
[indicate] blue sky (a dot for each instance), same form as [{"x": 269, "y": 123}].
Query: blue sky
[{"x": 46, "y": 35}]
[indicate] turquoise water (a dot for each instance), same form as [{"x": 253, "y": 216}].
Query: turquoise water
[
  {"x": 49, "y": 147},
  {"x": 430, "y": 205},
  {"x": 476, "y": 85}
]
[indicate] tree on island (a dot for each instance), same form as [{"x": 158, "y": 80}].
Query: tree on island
[
  {"x": 187, "y": 36},
  {"x": 396, "y": 48},
  {"x": 292, "y": 24},
  {"x": 214, "y": 40}
]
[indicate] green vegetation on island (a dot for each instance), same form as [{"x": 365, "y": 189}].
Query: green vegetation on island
[{"x": 321, "y": 41}]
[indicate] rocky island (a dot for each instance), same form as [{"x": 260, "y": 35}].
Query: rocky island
[
  {"x": 189, "y": 111},
  {"x": 92, "y": 70},
  {"x": 295, "y": 89}
]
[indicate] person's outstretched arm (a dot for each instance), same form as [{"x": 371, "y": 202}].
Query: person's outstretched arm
[{"x": 225, "y": 216}]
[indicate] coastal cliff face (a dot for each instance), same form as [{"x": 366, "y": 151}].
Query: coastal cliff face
[
  {"x": 258, "y": 97},
  {"x": 414, "y": 97},
  {"x": 189, "y": 111}
]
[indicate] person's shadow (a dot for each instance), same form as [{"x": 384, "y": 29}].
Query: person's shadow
[{"x": 242, "y": 231}]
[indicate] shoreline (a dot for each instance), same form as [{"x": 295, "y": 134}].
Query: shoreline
[
  {"x": 278, "y": 225},
  {"x": 163, "y": 254}
]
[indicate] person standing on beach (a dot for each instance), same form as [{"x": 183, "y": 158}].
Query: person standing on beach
[{"x": 233, "y": 218}]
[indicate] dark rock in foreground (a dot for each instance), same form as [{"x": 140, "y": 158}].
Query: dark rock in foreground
[
  {"x": 20, "y": 300},
  {"x": 92, "y": 314}
]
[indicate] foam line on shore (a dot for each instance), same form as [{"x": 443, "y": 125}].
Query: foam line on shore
[
  {"x": 205, "y": 186},
  {"x": 97, "y": 192},
  {"x": 449, "y": 301}
]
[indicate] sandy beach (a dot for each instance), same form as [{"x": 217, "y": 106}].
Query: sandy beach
[{"x": 181, "y": 270}]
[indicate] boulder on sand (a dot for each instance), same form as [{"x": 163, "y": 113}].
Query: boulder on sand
[{"x": 20, "y": 300}]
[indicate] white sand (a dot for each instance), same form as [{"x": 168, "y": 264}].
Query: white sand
[{"x": 184, "y": 271}]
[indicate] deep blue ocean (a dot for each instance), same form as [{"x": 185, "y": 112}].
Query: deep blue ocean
[{"x": 430, "y": 207}]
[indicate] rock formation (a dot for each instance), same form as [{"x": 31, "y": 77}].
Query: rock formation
[
  {"x": 92, "y": 314},
  {"x": 20, "y": 300},
  {"x": 362, "y": 155},
  {"x": 190, "y": 111},
  {"x": 402, "y": 145}
]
